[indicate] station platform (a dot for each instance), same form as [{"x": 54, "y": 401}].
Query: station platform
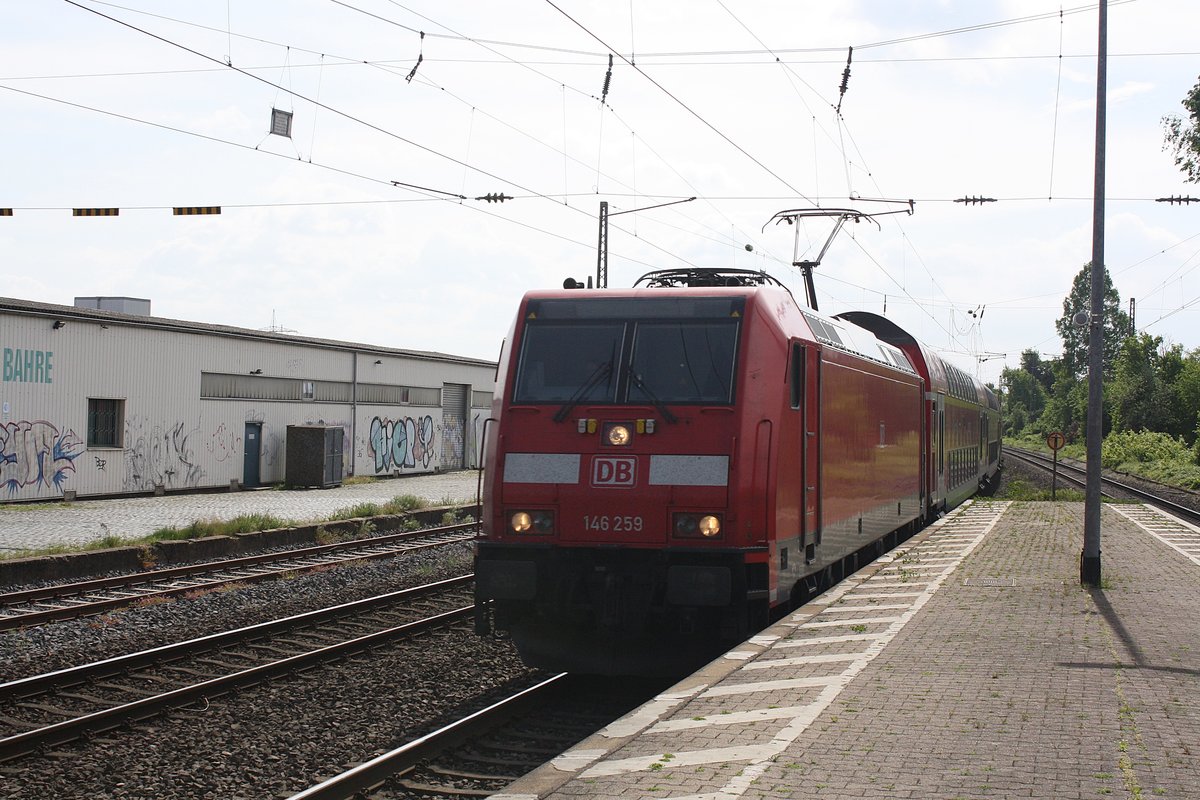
[
  {"x": 31, "y": 527},
  {"x": 968, "y": 663}
]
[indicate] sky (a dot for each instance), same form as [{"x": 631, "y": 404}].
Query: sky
[{"x": 367, "y": 223}]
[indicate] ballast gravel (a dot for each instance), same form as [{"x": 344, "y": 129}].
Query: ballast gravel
[{"x": 275, "y": 739}]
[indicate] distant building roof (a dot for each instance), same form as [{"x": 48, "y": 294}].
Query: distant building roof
[{"x": 67, "y": 313}]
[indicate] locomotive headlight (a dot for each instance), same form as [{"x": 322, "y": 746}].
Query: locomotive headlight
[
  {"x": 537, "y": 522},
  {"x": 696, "y": 526},
  {"x": 617, "y": 435}
]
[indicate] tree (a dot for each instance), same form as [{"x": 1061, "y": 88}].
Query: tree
[
  {"x": 1024, "y": 400},
  {"x": 1075, "y": 339},
  {"x": 1139, "y": 402},
  {"x": 1183, "y": 138},
  {"x": 1043, "y": 371},
  {"x": 1185, "y": 393}
]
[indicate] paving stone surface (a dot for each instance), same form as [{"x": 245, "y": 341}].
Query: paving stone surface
[
  {"x": 27, "y": 527},
  {"x": 970, "y": 663}
]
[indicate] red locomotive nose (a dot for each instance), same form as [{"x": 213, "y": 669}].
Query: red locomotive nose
[{"x": 669, "y": 467}]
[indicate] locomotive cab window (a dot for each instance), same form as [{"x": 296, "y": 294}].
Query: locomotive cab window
[
  {"x": 649, "y": 351},
  {"x": 682, "y": 362},
  {"x": 563, "y": 361}
]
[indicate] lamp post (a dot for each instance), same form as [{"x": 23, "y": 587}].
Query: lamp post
[
  {"x": 1089, "y": 559},
  {"x": 602, "y": 245}
]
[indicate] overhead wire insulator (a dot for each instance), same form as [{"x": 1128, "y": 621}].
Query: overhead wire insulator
[
  {"x": 607, "y": 79},
  {"x": 420, "y": 58},
  {"x": 1178, "y": 200},
  {"x": 845, "y": 80},
  {"x": 495, "y": 197},
  {"x": 971, "y": 201}
]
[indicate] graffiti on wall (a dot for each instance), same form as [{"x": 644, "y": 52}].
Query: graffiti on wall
[
  {"x": 36, "y": 454},
  {"x": 224, "y": 444},
  {"x": 159, "y": 455},
  {"x": 453, "y": 442},
  {"x": 403, "y": 443}
]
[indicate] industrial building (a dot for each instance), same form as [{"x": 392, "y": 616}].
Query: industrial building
[{"x": 102, "y": 399}]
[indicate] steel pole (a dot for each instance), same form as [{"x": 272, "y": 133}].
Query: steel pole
[
  {"x": 602, "y": 248},
  {"x": 1089, "y": 559}
]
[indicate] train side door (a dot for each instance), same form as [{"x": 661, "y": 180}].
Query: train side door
[
  {"x": 940, "y": 413},
  {"x": 806, "y": 396}
]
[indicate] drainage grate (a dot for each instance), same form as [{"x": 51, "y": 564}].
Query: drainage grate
[{"x": 992, "y": 582}]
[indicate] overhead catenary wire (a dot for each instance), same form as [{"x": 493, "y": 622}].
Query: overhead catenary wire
[
  {"x": 348, "y": 61},
  {"x": 314, "y": 102},
  {"x": 424, "y": 190},
  {"x": 488, "y": 44},
  {"x": 927, "y": 200},
  {"x": 1057, "y": 102},
  {"x": 773, "y": 54},
  {"x": 841, "y": 127},
  {"x": 428, "y": 195},
  {"x": 672, "y": 54},
  {"x": 682, "y": 104},
  {"x": 359, "y": 62},
  {"x": 351, "y": 117},
  {"x": 604, "y": 106},
  {"x": 427, "y": 198}
]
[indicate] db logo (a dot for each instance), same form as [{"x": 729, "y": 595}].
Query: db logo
[{"x": 614, "y": 471}]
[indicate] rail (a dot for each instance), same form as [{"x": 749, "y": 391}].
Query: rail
[
  {"x": 1071, "y": 472},
  {"x": 15, "y": 692},
  {"x": 83, "y": 598}
]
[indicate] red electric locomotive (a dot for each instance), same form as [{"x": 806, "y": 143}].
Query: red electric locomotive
[{"x": 670, "y": 467}]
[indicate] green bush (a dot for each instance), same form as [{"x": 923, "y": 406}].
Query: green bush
[
  {"x": 405, "y": 502},
  {"x": 1142, "y": 447},
  {"x": 402, "y": 504}
]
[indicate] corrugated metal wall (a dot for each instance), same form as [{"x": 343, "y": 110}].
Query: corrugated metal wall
[{"x": 184, "y": 400}]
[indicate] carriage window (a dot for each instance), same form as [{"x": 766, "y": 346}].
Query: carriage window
[
  {"x": 561, "y": 362},
  {"x": 682, "y": 362}
]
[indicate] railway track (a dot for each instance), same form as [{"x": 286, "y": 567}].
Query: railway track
[
  {"x": 84, "y": 598},
  {"x": 58, "y": 707},
  {"x": 485, "y": 751},
  {"x": 1110, "y": 487}
]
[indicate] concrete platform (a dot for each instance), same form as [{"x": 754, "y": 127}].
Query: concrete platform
[
  {"x": 969, "y": 663},
  {"x": 28, "y": 527}
]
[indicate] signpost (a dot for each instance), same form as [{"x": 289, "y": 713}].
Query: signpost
[{"x": 1055, "y": 440}]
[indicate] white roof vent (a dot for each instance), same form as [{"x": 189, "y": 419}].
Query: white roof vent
[{"x": 122, "y": 305}]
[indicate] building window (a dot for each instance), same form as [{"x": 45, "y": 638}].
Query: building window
[
  {"x": 105, "y": 421},
  {"x": 306, "y": 390}
]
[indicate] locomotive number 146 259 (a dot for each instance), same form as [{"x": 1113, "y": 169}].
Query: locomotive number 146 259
[{"x": 614, "y": 523}]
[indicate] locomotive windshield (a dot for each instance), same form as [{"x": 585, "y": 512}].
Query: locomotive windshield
[
  {"x": 569, "y": 361},
  {"x": 615, "y": 350}
]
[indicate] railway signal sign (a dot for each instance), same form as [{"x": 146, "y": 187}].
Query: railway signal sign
[{"x": 1055, "y": 440}]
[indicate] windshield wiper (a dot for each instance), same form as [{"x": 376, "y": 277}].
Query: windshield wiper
[
  {"x": 637, "y": 381},
  {"x": 601, "y": 372}
]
